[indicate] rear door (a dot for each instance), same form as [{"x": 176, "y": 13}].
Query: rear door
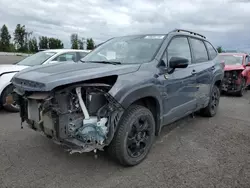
[{"x": 203, "y": 68}]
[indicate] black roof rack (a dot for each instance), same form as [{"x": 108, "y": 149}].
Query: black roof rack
[{"x": 187, "y": 31}]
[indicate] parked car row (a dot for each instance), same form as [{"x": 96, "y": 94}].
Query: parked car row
[
  {"x": 121, "y": 94},
  {"x": 41, "y": 58}
]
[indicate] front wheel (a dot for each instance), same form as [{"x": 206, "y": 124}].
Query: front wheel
[
  {"x": 211, "y": 109},
  {"x": 13, "y": 107},
  {"x": 134, "y": 136}
]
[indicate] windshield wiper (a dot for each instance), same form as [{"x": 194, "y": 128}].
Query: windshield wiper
[{"x": 104, "y": 62}]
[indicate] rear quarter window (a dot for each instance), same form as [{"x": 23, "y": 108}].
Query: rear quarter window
[{"x": 211, "y": 50}]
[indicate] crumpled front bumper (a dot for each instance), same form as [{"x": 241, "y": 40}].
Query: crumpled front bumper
[{"x": 231, "y": 85}]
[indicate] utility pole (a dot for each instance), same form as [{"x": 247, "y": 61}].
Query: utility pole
[{"x": 83, "y": 42}]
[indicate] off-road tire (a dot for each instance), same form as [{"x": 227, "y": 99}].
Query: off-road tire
[
  {"x": 5, "y": 93},
  {"x": 208, "y": 111},
  {"x": 118, "y": 147}
]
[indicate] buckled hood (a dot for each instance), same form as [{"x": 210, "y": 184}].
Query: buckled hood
[
  {"x": 47, "y": 77},
  {"x": 233, "y": 67}
]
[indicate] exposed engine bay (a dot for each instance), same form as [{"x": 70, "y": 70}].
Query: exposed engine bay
[
  {"x": 82, "y": 117},
  {"x": 232, "y": 81}
]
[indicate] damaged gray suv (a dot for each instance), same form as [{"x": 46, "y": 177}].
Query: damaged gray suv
[{"x": 122, "y": 93}]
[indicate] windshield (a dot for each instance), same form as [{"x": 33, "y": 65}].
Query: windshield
[
  {"x": 36, "y": 59},
  {"x": 231, "y": 59},
  {"x": 129, "y": 49}
]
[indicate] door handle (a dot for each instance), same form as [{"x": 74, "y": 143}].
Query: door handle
[
  {"x": 212, "y": 67},
  {"x": 193, "y": 72}
]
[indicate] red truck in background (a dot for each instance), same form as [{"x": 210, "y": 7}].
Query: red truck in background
[{"x": 237, "y": 72}]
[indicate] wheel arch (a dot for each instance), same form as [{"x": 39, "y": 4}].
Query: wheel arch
[
  {"x": 217, "y": 80},
  {"x": 5, "y": 81},
  {"x": 149, "y": 97}
]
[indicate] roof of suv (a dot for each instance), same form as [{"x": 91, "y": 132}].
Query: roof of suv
[
  {"x": 187, "y": 33},
  {"x": 173, "y": 32}
]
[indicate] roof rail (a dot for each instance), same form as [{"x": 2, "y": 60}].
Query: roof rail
[{"x": 187, "y": 31}]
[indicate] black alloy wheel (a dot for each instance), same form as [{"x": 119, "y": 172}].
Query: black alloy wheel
[
  {"x": 134, "y": 136},
  {"x": 138, "y": 137},
  {"x": 211, "y": 109}
]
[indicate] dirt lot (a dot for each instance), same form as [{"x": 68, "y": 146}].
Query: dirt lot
[{"x": 199, "y": 152}]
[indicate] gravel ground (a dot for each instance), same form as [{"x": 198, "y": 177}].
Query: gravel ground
[{"x": 193, "y": 152}]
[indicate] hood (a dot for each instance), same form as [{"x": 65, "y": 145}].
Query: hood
[
  {"x": 47, "y": 77},
  {"x": 11, "y": 68},
  {"x": 233, "y": 67}
]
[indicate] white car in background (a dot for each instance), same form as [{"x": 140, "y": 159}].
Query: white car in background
[{"x": 7, "y": 71}]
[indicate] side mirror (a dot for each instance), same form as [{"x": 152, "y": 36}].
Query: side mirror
[{"x": 178, "y": 62}]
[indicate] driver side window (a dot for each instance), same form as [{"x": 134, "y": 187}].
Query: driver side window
[
  {"x": 179, "y": 47},
  {"x": 71, "y": 56}
]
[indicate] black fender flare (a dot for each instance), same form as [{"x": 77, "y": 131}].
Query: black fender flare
[
  {"x": 217, "y": 77},
  {"x": 145, "y": 91}
]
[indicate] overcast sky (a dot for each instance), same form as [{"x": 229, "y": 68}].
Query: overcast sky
[{"x": 224, "y": 22}]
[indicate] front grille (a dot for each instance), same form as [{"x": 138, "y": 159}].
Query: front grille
[{"x": 231, "y": 75}]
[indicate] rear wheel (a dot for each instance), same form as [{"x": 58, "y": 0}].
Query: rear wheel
[
  {"x": 211, "y": 109},
  {"x": 13, "y": 107},
  {"x": 134, "y": 136}
]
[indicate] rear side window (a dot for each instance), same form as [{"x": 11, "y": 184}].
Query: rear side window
[
  {"x": 211, "y": 51},
  {"x": 70, "y": 56},
  {"x": 179, "y": 47},
  {"x": 199, "y": 50}
]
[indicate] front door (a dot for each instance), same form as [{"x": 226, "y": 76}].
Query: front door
[{"x": 180, "y": 86}]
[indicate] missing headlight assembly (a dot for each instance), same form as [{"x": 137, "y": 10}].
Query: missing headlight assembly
[{"x": 82, "y": 117}]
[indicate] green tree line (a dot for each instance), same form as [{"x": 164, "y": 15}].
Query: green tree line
[
  {"x": 77, "y": 43},
  {"x": 24, "y": 41},
  {"x": 220, "y": 49}
]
